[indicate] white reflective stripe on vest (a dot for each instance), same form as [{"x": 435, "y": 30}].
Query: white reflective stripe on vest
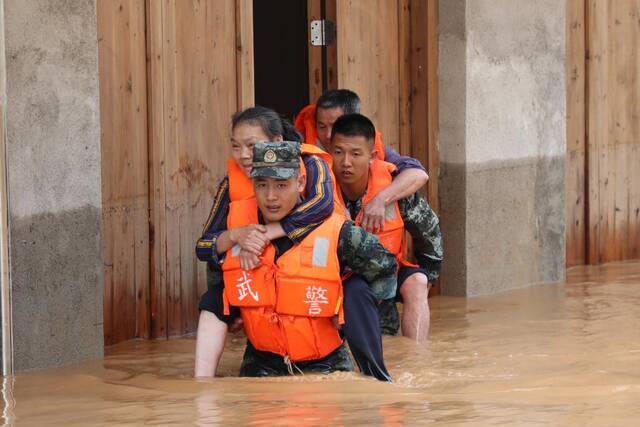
[
  {"x": 235, "y": 250},
  {"x": 320, "y": 252},
  {"x": 390, "y": 212}
]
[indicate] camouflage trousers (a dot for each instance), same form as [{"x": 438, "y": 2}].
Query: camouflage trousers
[
  {"x": 389, "y": 317},
  {"x": 256, "y": 363}
]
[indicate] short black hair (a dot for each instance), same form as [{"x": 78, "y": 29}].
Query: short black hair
[
  {"x": 355, "y": 125},
  {"x": 345, "y": 99}
]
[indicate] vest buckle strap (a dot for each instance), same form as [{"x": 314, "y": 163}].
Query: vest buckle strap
[{"x": 290, "y": 365}]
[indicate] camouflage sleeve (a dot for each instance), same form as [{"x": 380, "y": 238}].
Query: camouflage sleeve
[
  {"x": 361, "y": 253},
  {"x": 424, "y": 227}
]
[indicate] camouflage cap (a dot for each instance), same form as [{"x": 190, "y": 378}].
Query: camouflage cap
[{"x": 280, "y": 160}]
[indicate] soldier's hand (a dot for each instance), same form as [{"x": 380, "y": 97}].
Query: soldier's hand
[
  {"x": 373, "y": 215},
  {"x": 248, "y": 260},
  {"x": 251, "y": 238}
]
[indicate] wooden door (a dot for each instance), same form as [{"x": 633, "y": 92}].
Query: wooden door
[
  {"x": 387, "y": 52},
  {"x": 125, "y": 186},
  {"x": 196, "y": 81},
  {"x": 603, "y": 131},
  {"x": 322, "y": 58},
  {"x": 172, "y": 72},
  {"x": 368, "y": 60},
  {"x": 613, "y": 129}
]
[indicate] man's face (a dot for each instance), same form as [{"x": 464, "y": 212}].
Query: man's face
[
  {"x": 277, "y": 197},
  {"x": 325, "y": 118},
  {"x": 351, "y": 158}
]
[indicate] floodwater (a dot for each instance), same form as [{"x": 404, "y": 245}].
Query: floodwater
[{"x": 564, "y": 354}]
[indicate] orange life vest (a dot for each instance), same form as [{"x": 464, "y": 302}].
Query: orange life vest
[
  {"x": 241, "y": 191},
  {"x": 392, "y": 236},
  {"x": 287, "y": 305},
  {"x": 241, "y": 187},
  {"x": 305, "y": 123}
]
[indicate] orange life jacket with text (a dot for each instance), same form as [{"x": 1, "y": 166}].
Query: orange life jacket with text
[
  {"x": 287, "y": 305},
  {"x": 305, "y": 123},
  {"x": 392, "y": 237}
]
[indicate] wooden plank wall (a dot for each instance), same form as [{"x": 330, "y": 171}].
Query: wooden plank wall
[
  {"x": 608, "y": 131},
  {"x": 576, "y": 199},
  {"x": 125, "y": 189},
  {"x": 314, "y": 13},
  {"x": 168, "y": 89},
  {"x": 172, "y": 73},
  {"x": 424, "y": 90},
  {"x": 613, "y": 129},
  {"x": 244, "y": 54},
  {"x": 367, "y": 37},
  {"x": 194, "y": 94},
  {"x": 389, "y": 51}
]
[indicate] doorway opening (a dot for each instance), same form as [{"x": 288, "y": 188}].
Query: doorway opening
[{"x": 281, "y": 52}]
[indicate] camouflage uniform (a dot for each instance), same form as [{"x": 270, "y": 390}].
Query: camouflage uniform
[
  {"x": 358, "y": 251},
  {"x": 424, "y": 227}
]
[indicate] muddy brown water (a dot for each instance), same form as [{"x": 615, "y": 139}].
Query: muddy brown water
[{"x": 561, "y": 354}]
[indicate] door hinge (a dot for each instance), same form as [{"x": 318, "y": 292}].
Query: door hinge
[{"x": 322, "y": 32}]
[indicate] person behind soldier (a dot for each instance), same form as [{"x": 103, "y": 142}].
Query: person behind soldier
[
  {"x": 360, "y": 174},
  {"x": 315, "y": 122}
]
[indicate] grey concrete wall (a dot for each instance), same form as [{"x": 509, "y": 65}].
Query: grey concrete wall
[
  {"x": 53, "y": 149},
  {"x": 502, "y": 141}
]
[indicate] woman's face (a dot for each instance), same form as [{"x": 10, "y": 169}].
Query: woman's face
[{"x": 243, "y": 138}]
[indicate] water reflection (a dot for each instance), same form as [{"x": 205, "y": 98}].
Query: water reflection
[
  {"x": 8, "y": 401},
  {"x": 566, "y": 354}
]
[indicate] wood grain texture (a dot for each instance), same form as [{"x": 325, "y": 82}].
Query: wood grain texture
[
  {"x": 195, "y": 92},
  {"x": 157, "y": 221},
  {"x": 315, "y": 53},
  {"x": 433, "y": 159},
  {"x": 404, "y": 75},
  {"x": 576, "y": 196},
  {"x": 595, "y": 99},
  {"x": 244, "y": 54},
  {"x": 367, "y": 60},
  {"x": 125, "y": 198},
  {"x": 331, "y": 14},
  {"x": 388, "y": 54},
  {"x": 613, "y": 91}
]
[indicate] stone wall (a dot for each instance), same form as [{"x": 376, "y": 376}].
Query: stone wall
[
  {"x": 502, "y": 143},
  {"x": 53, "y": 156}
]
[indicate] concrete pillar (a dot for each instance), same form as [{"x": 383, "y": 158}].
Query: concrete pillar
[
  {"x": 502, "y": 143},
  {"x": 53, "y": 157}
]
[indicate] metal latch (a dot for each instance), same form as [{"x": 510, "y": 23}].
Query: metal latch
[{"x": 323, "y": 32}]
